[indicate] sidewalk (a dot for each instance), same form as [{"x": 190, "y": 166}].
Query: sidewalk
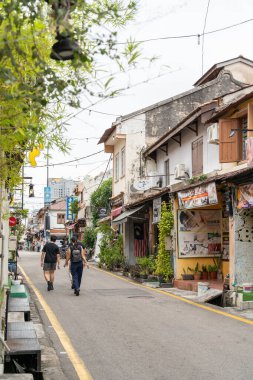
[
  {"x": 50, "y": 363},
  {"x": 193, "y": 296}
]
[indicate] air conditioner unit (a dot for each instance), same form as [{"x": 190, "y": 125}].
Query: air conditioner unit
[
  {"x": 213, "y": 134},
  {"x": 179, "y": 171}
]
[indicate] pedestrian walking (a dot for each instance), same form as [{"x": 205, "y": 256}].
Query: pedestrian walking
[
  {"x": 50, "y": 256},
  {"x": 75, "y": 254}
]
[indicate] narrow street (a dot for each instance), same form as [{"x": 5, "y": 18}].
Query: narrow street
[{"x": 123, "y": 331}]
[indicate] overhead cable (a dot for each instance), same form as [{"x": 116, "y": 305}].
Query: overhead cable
[
  {"x": 67, "y": 162},
  {"x": 188, "y": 35}
]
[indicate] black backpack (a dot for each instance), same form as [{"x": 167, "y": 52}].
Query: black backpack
[{"x": 76, "y": 254}]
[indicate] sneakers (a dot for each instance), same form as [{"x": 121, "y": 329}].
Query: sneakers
[
  {"x": 77, "y": 292},
  {"x": 50, "y": 286}
]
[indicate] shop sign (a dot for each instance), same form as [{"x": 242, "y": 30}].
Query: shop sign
[
  {"x": 69, "y": 201},
  {"x": 245, "y": 196},
  {"x": 12, "y": 221},
  {"x": 157, "y": 204},
  {"x": 199, "y": 233},
  {"x": 199, "y": 196},
  {"x": 102, "y": 212},
  {"x": 47, "y": 195}
]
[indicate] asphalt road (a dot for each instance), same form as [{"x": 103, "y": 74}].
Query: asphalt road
[{"x": 123, "y": 331}]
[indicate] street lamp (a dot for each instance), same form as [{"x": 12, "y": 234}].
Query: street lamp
[
  {"x": 64, "y": 49},
  {"x": 233, "y": 131}
]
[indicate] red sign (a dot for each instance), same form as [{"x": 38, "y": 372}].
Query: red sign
[{"x": 12, "y": 221}]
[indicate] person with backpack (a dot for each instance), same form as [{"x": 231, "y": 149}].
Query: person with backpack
[
  {"x": 50, "y": 255},
  {"x": 75, "y": 254}
]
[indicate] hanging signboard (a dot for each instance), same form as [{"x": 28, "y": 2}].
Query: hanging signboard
[
  {"x": 47, "y": 195},
  {"x": 69, "y": 215},
  {"x": 199, "y": 196},
  {"x": 199, "y": 233},
  {"x": 245, "y": 196},
  {"x": 157, "y": 203},
  {"x": 12, "y": 221}
]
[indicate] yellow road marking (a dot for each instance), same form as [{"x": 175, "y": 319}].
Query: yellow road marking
[
  {"x": 77, "y": 362},
  {"x": 216, "y": 311}
]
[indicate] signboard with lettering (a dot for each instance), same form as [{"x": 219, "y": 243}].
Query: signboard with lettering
[
  {"x": 69, "y": 214},
  {"x": 199, "y": 196},
  {"x": 47, "y": 195}
]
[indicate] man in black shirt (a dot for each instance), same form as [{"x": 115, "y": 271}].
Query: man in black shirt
[{"x": 50, "y": 255}]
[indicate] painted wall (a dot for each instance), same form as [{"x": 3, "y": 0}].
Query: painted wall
[
  {"x": 134, "y": 131},
  {"x": 53, "y": 219},
  {"x": 183, "y": 154},
  {"x": 243, "y": 263},
  {"x": 182, "y": 264},
  {"x": 170, "y": 112}
]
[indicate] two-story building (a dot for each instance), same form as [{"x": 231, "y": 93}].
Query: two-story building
[{"x": 161, "y": 145}]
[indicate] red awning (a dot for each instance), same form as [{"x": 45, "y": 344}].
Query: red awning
[{"x": 117, "y": 211}]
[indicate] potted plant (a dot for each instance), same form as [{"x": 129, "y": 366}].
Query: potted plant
[
  {"x": 204, "y": 272},
  {"x": 212, "y": 270},
  {"x": 186, "y": 275},
  {"x": 197, "y": 272},
  {"x": 217, "y": 263}
]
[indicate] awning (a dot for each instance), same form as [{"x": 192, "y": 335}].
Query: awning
[
  {"x": 122, "y": 218},
  {"x": 116, "y": 211}
]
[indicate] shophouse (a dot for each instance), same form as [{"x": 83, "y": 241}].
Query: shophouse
[
  {"x": 51, "y": 219},
  {"x": 149, "y": 144},
  {"x": 209, "y": 159},
  {"x": 235, "y": 120}
]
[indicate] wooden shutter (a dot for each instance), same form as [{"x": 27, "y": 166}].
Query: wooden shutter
[
  {"x": 197, "y": 157},
  {"x": 230, "y": 147}
]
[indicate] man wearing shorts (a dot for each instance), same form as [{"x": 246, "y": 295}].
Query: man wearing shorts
[{"x": 50, "y": 255}]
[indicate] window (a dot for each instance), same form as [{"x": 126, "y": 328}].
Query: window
[
  {"x": 233, "y": 148},
  {"x": 122, "y": 162},
  {"x": 117, "y": 167},
  {"x": 197, "y": 157},
  {"x": 167, "y": 172},
  {"x": 60, "y": 218}
]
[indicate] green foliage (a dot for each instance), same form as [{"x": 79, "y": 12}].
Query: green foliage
[
  {"x": 146, "y": 264},
  {"x": 165, "y": 225},
  {"x": 204, "y": 268},
  {"x": 202, "y": 177},
  {"x": 74, "y": 207},
  {"x": 212, "y": 268},
  {"x": 111, "y": 249},
  {"x": 33, "y": 86},
  {"x": 196, "y": 269},
  {"x": 100, "y": 198},
  {"x": 89, "y": 237}
]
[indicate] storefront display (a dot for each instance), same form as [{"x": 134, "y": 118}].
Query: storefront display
[
  {"x": 245, "y": 197},
  {"x": 199, "y": 233},
  {"x": 199, "y": 196}
]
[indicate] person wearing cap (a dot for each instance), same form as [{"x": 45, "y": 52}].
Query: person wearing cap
[{"x": 75, "y": 254}]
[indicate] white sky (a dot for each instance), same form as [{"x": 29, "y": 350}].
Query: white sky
[{"x": 180, "y": 60}]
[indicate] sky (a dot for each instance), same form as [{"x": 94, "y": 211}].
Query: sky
[{"x": 179, "y": 64}]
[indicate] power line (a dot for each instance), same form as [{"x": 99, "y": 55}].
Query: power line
[
  {"x": 109, "y": 96},
  {"x": 203, "y": 38},
  {"x": 67, "y": 162},
  {"x": 188, "y": 35},
  {"x": 105, "y": 171}
]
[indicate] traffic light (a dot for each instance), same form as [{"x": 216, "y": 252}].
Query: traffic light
[{"x": 31, "y": 190}]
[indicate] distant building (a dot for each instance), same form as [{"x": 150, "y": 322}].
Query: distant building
[{"x": 61, "y": 187}]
